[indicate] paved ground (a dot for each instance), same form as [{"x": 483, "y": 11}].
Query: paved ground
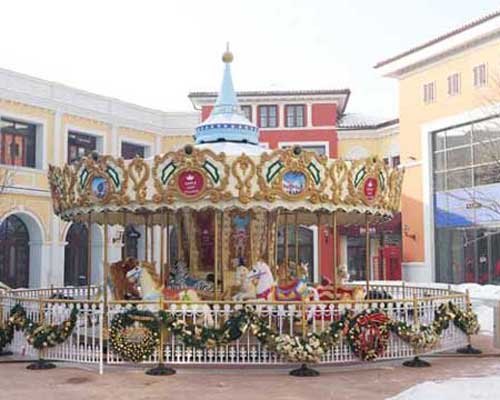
[{"x": 372, "y": 381}]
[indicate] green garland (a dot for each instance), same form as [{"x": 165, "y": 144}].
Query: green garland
[
  {"x": 367, "y": 333},
  {"x": 39, "y": 335}
]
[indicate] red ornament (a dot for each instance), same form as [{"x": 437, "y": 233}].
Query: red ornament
[
  {"x": 370, "y": 188},
  {"x": 191, "y": 183}
]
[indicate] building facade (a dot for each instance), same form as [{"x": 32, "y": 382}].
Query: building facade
[
  {"x": 317, "y": 120},
  {"x": 46, "y": 123},
  {"x": 449, "y": 98}
]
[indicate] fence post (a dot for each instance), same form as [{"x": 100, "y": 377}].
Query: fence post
[
  {"x": 41, "y": 363},
  {"x": 2, "y": 304},
  {"x": 416, "y": 362},
  {"x": 468, "y": 349},
  {"x": 304, "y": 370},
  {"x": 161, "y": 369}
]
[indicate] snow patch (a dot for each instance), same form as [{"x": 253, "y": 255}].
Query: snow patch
[{"x": 453, "y": 389}]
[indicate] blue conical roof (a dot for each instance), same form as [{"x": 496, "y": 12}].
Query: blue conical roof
[{"x": 227, "y": 122}]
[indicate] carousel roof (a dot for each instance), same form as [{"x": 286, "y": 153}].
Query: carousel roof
[
  {"x": 227, "y": 169},
  {"x": 226, "y": 121}
]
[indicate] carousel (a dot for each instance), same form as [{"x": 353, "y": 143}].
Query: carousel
[{"x": 218, "y": 288}]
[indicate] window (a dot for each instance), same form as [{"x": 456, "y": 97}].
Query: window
[
  {"x": 130, "y": 150},
  {"x": 294, "y": 115},
  {"x": 18, "y": 143},
  {"x": 80, "y": 145},
  {"x": 395, "y": 161},
  {"x": 76, "y": 256},
  {"x": 453, "y": 84},
  {"x": 430, "y": 92},
  {"x": 268, "y": 116},
  {"x": 247, "y": 111},
  {"x": 14, "y": 252},
  {"x": 130, "y": 243},
  {"x": 479, "y": 73}
]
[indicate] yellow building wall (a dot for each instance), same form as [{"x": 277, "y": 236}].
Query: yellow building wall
[
  {"x": 413, "y": 113},
  {"x": 380, "y": 147}
]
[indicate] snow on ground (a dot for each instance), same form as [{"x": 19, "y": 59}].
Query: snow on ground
[
  {"x": 484, "y": 299},
  {"x": 454, "y": 389}
]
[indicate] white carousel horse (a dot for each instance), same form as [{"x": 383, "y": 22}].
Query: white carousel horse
[
  {"x": 152, "y": 289},
  {"x": 180, "y": 279},
  {"x": 247, "y": 287},
  {"x": 267, "y": 289}
]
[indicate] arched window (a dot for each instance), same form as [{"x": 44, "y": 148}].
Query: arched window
[
  {"x": 14, "y": 252},
  {"x": 306, "y": 247},
  {"x": 130, "y": 243},
  {"x": 75, "y": 255}
]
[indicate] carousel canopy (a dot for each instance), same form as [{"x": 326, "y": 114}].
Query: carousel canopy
[{"x": 227, "y": 169}]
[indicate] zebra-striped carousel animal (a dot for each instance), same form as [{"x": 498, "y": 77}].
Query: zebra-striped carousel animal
[{"x": 180, "y": 279}]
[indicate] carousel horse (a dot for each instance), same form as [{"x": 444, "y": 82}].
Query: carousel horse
[
  {"x": 247, "y": 289},
  {"x": 266, "y": 288},
  {"x": 180, "y": 279},
  {"x": 120, "y": 287},
  {"x": 327, "y": 291},
  {"x": 148, "y": 281},
  {"x": 152, "y": 290}
]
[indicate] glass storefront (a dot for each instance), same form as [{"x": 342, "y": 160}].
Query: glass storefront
[{"x": 466, "y": 194}]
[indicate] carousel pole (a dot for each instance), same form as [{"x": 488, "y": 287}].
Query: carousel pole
[
  {"x": 168, "y": 245},
  {"x": 286, "y": 255},
  {"x": 221, "y": 241},
  {"x": 334, "y": 274},
  {"x": 152, "y": 227},
  {"x": 89, "y": 254},
  {"x": 367, "y": 266},
  {"x": 297, "y": 238},
  {"x": 162, "y": 247},
  {"x": 178, "y": 217},
  {"x": 269, "y": 238},
  {"x": 146, "y": 234},
  {"x": 124, "y": 224},
  {"x": 216, "y": 256},
  {"x": 318, "y": 224},
  {"x": 276, "y": 234}
]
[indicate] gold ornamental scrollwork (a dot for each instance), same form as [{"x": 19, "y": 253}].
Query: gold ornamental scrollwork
[
  {"x": 338, "y": 175},
  {"x": 243, "y": 169},
  {"x": 208, "y": 171},
  {"x": 367, "y": 183},
  {"x": 138, "y": 171},
  {"x": 292, "y": 175}
]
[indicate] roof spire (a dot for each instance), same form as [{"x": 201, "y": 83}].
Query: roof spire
[{"x": 227, "y": 122}]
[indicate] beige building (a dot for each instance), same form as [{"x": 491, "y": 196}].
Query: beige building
[
  {"x": 46, "y": 123},
  {"x": 449, "y": 98}
]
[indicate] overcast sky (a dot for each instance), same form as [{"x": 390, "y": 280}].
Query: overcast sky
[{"x": 154, "y": 53}]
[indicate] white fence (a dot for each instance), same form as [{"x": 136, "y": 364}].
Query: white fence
[{"x": 87, "y": 344}]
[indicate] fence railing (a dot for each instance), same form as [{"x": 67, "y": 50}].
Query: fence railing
[{"x": 88, "y": 343}]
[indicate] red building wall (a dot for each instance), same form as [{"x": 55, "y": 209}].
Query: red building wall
[{"x": 323, "y": 121}]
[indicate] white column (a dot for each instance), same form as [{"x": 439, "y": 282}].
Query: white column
[
  {"x": 115, "y": 150},
  {"x": 157, "y": 145},
  {"x": 56, "y": 273},
  {"x": 308, "y": 107},
  {"x": 39, "y": 263},
  {"x": 58, "y": 139}
]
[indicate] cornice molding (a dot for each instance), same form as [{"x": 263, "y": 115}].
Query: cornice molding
[{"x": 60, "y": 98}]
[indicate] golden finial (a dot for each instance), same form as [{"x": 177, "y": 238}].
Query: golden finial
[{"x": 227, "y": 57}]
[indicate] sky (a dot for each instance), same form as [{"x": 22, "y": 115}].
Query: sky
[{"x": 153, "y": 53}]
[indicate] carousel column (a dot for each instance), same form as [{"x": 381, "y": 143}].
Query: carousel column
[
  {"x": 334, "y": 274},
  {"x": 216, "y": 255},
  {"x": 367, "y": 261}
]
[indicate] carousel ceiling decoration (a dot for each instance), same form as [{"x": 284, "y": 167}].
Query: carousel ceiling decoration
[{"x": 285, "y": 179}]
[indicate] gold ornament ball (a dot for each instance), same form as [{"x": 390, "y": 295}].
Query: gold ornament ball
[{"x": 227, "y": 57}]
